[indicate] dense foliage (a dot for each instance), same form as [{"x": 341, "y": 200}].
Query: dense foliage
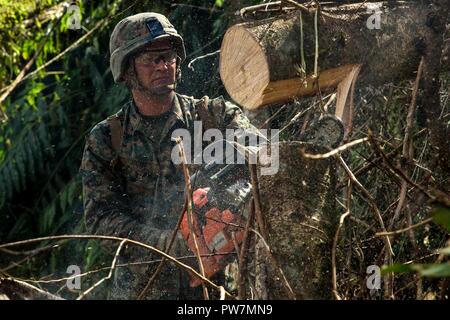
[{"x": 51, "y": 111}]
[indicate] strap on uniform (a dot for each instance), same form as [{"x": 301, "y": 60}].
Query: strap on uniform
[
  {"x": 115, "y": 125},
  {"x": 116, "y": 138}
]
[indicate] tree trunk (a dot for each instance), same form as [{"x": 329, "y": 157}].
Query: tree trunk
[
  {"x": 298, "y": 204},
  {"x": 259, "y": 60},
  {"x": 439, "y": 132}
]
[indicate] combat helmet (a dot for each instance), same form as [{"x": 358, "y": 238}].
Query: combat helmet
[{"x": 134, "y": 32}]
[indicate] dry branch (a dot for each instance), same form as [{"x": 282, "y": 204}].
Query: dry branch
[{"x": 112, "y": 238}]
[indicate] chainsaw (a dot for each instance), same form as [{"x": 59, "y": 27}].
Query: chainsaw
[{"x": 219, "y": 214}]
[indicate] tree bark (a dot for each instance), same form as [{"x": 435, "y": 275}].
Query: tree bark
[
  {"x": 301, "y": 221},
  {"x": 434, "y": 41}
]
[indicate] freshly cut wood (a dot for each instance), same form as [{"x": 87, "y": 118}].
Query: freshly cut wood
[{"x": 259, "y": 60}]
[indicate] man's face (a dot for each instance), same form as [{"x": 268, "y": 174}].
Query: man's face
[{"x": 156, "y": 68}]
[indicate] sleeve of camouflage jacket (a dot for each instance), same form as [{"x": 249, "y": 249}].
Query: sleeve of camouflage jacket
[
  {"x": 228, "y": 115},
  {"x": 105, "y": 202}
]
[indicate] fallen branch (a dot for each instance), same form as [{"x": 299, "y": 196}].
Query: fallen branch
[
  {"x": 117, "y": 266},
  {"x": 112, "y": 238}
]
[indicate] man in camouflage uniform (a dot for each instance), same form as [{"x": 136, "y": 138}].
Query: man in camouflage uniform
[{"x": 129, "y": 177}]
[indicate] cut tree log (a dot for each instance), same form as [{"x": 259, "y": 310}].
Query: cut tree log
[{"x": 259, "y": 60}]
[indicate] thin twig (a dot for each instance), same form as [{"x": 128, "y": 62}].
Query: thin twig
[
  {"x": 396, "y": 170},
  {"x": 333, "y": 254},
  {"x": 370, "y": 199},
  {"x": 273, "y": 116},
  {"x": 29, "y": 252},
  {"x": 316, "y": 45},
  {"x": 336, "y": 238},
  {"x": 262, "y": 227},
  {"x": 298, "y": 5},
  {"x": 236, "y": 246},
  {"x": 121, "y": 265},
  {"x": 60, "y": 55},
  {"x": 211, "y": 10},
  {"x": 190, "y": 213},
  {"x": 26, "y": 290},
  {"x": 406, "y": 149},
  {"x": 163, "y": 260},
  {"x": 202, "y": 57},
  {"x": 112, "y": 268},
  {"x": 21, "y": 76},
  {"x": 302, "y": 53},
  {"x": 408, "y": 155},
  {"x": 411, "y": 109},
  {"x": 374, "y": 162},
  {"x": 334, "y": 151},
  {"x": 276, "y": 265},
  {"x": 112, "y": 238},
  {"x": 244, "y": 253},
  {"x": 391, "y": 233},
  {"x": 256, "y": 198},
  {"x": 250, "y": 9}
]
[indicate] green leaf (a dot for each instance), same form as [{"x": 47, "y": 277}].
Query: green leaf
[
  {"x": 441, "y": 215},
  {"x": 425, "y": 270},
  {"x": 445, "y": 251},
  {"x": 397, "y": 268},
  {"x": 436, "y": 270}
]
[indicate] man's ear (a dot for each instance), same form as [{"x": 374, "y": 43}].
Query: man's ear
[{"x": 178, "y": 74}]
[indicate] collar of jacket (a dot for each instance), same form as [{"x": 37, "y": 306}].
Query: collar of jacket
[{"x": 138, "y": 124}]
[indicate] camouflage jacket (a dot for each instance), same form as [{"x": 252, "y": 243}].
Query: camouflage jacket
[{"x": 131, "y": 199}]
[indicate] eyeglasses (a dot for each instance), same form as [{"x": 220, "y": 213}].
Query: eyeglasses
[{"x": 154, "y": 58}]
